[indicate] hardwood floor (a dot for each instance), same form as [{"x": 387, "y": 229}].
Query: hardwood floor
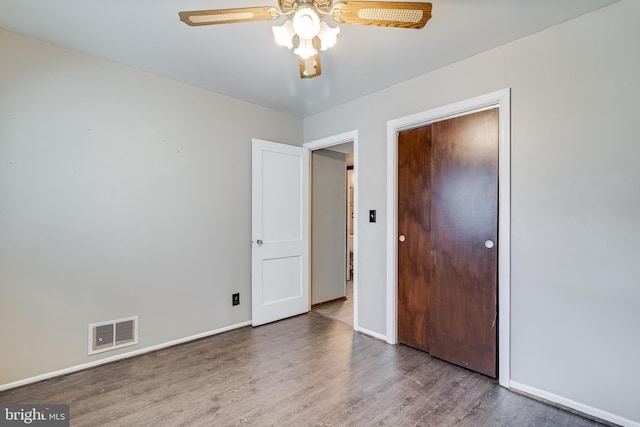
[
  {"x": 308, "y": 370},
  {"x": 339, "y": 310}
]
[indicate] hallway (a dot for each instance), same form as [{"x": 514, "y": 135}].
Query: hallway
[{"x": 339, "y": 310}]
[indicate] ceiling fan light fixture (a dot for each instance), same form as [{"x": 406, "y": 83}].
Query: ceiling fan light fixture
[
  {"x": 284, "y": 34},
  {"x": 303, "y": 30},
  {"x": 305, "y": 49},
  {"x": 306, "y": 23},
  {"x": 328, "y": 36}
]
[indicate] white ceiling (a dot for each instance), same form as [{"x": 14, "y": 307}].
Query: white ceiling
[{"x": 241, "y": 60}]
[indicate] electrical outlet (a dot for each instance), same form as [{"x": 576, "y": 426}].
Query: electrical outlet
[{"x": 235, "y": 299}]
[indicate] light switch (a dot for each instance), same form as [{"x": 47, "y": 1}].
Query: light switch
[{"x": 372, "y": 215}]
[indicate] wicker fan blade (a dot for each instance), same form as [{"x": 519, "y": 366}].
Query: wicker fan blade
[
  {"x": 310, "y": 67},
  {"x": 383, "y": 13},
  {"x": 228, "y": 16}
]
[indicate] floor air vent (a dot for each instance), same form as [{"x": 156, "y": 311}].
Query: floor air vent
[{"x": 105, "y": 336}]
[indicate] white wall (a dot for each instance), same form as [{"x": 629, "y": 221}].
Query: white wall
[
  {"x": 328, "y": 225},
  {"x": 121, "y": 193},
  {"x": 575, "y": 200}
]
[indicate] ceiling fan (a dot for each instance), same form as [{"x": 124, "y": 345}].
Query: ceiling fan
[{"x": 306, "y": 28}]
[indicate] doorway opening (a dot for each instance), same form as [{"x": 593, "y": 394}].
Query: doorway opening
[
  {"x": 501, "y": 100},
  {"x": 342, "y": 146}
]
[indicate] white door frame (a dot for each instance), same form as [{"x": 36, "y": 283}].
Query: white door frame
[
  {"x": 499, "y": 99},
  {"x": 327, "y": 142}
]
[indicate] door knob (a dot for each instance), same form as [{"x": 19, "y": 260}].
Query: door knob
[
  {"x": 259, "y": 242},
  {"x": 488, "y": 244},
  {"x": 401, "y": 238}
]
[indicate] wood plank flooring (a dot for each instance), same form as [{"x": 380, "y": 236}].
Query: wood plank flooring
[
  {"x": 308, "y": 370},
  {"x": 339, "y": 310}
]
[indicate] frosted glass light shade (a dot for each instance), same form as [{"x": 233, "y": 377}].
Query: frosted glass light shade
[
  {"x": 284, "y": 34},
  {"x": 306, "y": 23},
  {"x": 328, "y": 36},
  {"x": 305, "y": 49}
]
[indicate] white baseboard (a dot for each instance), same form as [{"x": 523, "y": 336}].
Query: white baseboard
[
  {"x": 119, "y": 357},
  {"x": 572, "y": 404},
  {"x": 372, "y": 334}
]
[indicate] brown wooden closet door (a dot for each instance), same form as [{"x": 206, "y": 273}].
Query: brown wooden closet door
[
  {"x": 414, "y": 259},
  {"x": 464, "y": 215}
]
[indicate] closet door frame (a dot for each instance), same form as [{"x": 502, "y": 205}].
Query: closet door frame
[{"x": 500, "y": 99}]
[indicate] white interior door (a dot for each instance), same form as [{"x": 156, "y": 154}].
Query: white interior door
[{"x": 280, "y": 231}]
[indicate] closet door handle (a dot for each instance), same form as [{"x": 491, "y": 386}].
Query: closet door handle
[
  {"x": 401, "y": 238},
  {"x": 488, "y": 244},
  {"x": 259, "y": 242}
]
